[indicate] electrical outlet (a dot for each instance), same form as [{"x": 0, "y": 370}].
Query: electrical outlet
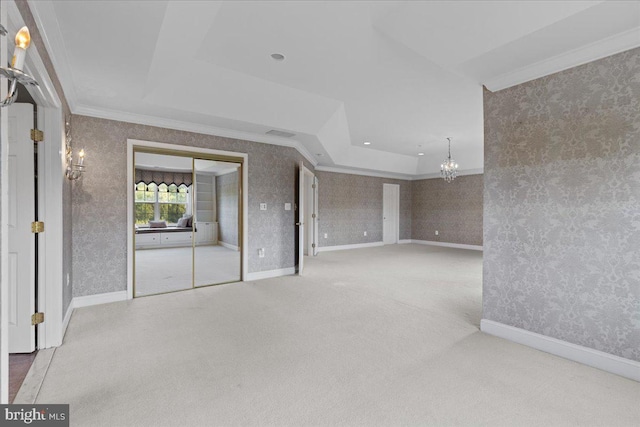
[
  {"x": 261, "y": 253},
  {"x": 436, "y": 232},
  {"x": 287, "y": 206},
  {"x": 263, "y": 206},
  {"x": 325, "y": 235},
  {"x": 365, "y": 233}
]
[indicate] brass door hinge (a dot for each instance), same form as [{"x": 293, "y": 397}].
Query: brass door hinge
[
  {"x": 37, "y": 227},
  {"x": 313, "y": 245},
  {"x": 37, "y": 135},
  {"x": 37, "y": 318},
  {"x": 313, "y": 215}
]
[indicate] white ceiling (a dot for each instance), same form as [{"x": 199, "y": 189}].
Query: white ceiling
[{"x": 403, "y": 75}]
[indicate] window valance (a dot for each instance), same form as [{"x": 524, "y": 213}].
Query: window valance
[{"x": 162, "y": 177}]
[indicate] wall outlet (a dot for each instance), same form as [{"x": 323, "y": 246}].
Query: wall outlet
[
  {"x": 263, "y": 206},
  {"x": 287, "y": 206},
  {"x": 325, "y": 235},
  {"x": 436, "y": 232},
  {"x": 365, "y": 233},
  {"x": 261, "y": 253}
]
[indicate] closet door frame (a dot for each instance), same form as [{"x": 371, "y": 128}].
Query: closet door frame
[{"x": 134, "y": 146}]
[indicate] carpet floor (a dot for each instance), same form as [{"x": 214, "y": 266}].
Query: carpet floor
[
  {"x": 378, "y": 336},
  {"x": 171, "y": 269}
]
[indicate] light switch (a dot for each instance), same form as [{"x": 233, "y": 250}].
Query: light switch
[
  {"x": 436, "y": 232},
  {"x": 263, "y": 206},
  {"x": 325, "y": 235},
  {"x": 287, "y": 206}
]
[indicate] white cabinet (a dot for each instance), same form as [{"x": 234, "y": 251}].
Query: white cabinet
[
  {"x": 207, "y": 233},
  {"x": 167, "y": 239}
]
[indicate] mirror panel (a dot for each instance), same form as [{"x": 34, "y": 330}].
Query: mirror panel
[{"x": 217, "y": 242}]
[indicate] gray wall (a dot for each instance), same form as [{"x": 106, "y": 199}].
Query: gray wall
[
  {"x": 562, "y": 205},
  {"x": 349, "y": 205},
  {"x": 227, "y": 207},
  {"x": 36, "y": 40},
  {"x": 100, "y": 200},
  {"x": 453, "y": 209}
]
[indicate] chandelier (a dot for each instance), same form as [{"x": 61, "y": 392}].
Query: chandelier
[{"x": 449, "y": 168}]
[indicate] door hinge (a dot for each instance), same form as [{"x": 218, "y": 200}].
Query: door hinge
[
  {"x": 313, "y": 186},
  {"x": 313, "y": 245},
  {"x": 37, "y": 227},
  {"x": 313, "y": 215},
  {"x": 37, "y": 135},
  {"x": 37, "y": 318}
]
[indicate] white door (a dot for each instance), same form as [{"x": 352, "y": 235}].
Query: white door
[
  {"x": 22, "y": 336},
  {"x": 390, "y": 213},
  {"x": 315, "y": 215},
  {"x": 300, "y": 223}
]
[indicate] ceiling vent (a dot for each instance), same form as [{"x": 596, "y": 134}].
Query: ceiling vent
[{"x": 280, "y": 133}]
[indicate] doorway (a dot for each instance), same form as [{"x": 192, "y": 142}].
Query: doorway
[
  {"x": 307, "y": 216},
  {"x": 390, "y": 213},
  {"x": 187, "y": 216}
]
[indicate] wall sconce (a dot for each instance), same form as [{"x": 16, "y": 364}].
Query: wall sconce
[
  {"x": 74, "y": 170},
  {"x": 15, "y": 73}
]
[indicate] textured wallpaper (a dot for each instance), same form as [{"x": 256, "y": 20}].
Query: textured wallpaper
[
  {"x": 227, "y": 203},
  {"x": 454, "y": 209},
  {"x": 100, "y": 205},
  {"x": 562, "y": 205},
  {"x": 349, "y": 205}
]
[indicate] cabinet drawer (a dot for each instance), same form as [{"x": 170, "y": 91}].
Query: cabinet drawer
[
  {"x": 176, "y": 237},
  {"x": 148, "y": 239}
]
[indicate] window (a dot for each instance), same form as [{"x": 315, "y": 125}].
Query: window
[{"x": 160, "y": 202}]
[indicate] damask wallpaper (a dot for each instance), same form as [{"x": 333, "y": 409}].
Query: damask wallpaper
[
  {"x": 349, "y": 205},
  {"x": 227, "y": 203},
  {"x": 453, "y": 209},
  {"x": 562, "y": 205},
  {"x": 100, "y": 205}
]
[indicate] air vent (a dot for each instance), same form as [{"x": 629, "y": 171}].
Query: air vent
[{"x": 280, "y": 133}]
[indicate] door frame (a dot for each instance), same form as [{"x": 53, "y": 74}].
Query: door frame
[
  {"x": 397, "y": 206},
  {"x": 51, "y": 165},
  {"x": 132, "y": 145}
]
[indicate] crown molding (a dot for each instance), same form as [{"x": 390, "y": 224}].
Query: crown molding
[
  {"x": 600, "y": 49},
  {"x": 45, "y": 17},
  {"x": 478, "y": 171},
  {"x": 349, "y": 171},
  {"x": 141, "y": 119}
]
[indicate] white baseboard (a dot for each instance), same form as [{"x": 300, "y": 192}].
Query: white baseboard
[
  {"x": 67, "y": 318},
  {"x": 588, "y": 356},
  {"x": 99, "y": 299},
  {"x": 259, "y": 275},
  {"x": 228, "y": 245},
  {"x": 404, "y": 241},
  {"x": 447, "y": 245},
  {"x": 344, "y": 247}
]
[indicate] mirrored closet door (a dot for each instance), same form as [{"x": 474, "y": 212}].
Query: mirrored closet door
[{"x": 187, "y": 222}]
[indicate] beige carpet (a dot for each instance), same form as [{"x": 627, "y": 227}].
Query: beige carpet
[
  {"x": 170, "y": 269},
  {"x": 379, "y": 336}
]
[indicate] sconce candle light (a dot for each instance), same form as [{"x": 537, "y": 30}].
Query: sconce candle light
[
  {"x": 15, "y": 73},
  {"x": 74, "y": 170}
]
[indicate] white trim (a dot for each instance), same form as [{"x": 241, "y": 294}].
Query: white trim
[
  {"x": 259, "y": 275},
  {"x": 4, "y": 227},
  {"x": 228, "y": 245},
  {"x": 447, "y": 245},
  {"x": 404, "y": 241},
  {"x": 582, "y": 55},
  {"x": 437, "y": 175},
  {"x": 348, "y": 171},
  {"x": 67, "y": 318},
  {"x": 347, "y": 247},
  {"x": 131, "y": 144},
  {"x": 166, "y": 123},
  {"x": 97, "y": 299},
  {"x": 588, "y": 356}
]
